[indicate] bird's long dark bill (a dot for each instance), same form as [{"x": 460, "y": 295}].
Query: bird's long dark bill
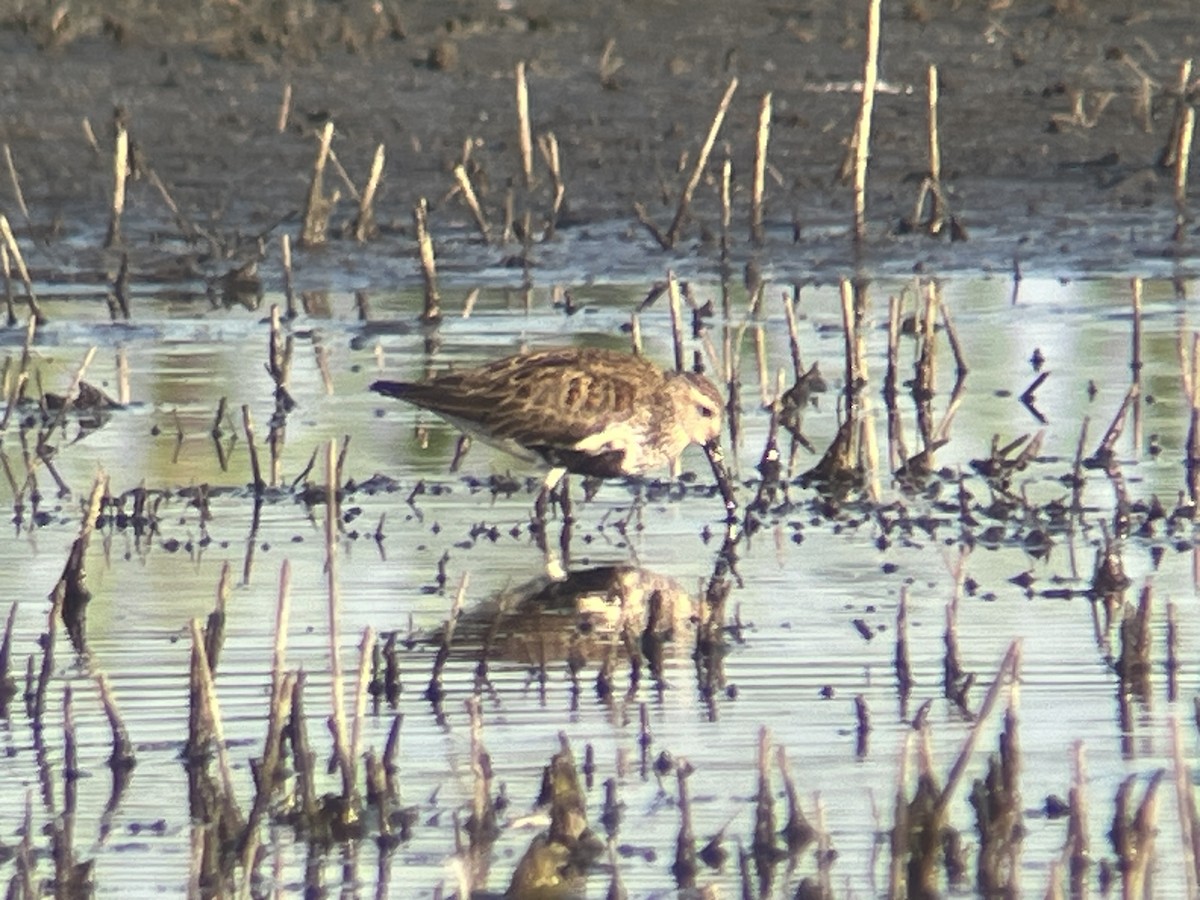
[{"x": 716, "y": 459}]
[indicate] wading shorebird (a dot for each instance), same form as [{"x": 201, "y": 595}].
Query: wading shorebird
[{"x": 590, "y": 411}]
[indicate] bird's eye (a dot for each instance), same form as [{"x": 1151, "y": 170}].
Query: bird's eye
[{"x": 706, "y": 412}]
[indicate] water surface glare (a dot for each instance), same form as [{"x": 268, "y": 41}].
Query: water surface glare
[{"x": 812, "y": 613}]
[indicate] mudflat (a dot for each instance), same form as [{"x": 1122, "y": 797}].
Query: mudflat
[{"x": 1054, "y": 116}]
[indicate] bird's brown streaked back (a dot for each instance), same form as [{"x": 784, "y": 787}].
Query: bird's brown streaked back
[{"x": 588, "y": 410}]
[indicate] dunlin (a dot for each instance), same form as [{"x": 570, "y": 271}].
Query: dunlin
[{"x": 589, "y": 411}]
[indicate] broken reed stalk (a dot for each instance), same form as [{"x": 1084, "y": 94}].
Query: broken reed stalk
[
  {"x": 317, "y": 205},
  {"x": 122, "y": 750},
  {"x": 73, "y": 389},
  {"x": 392, "y": 746},
  {"x": 468, "y": 192},
  {"x": 868, "y": 455},
  {"x": 255, "y": 469},
  {"x": 797, "y": 831},
  {"x": 1189, "y": 371},
  {"x": 1133, "y": 836},
  {"x": 1135, "y": 362},
  {"x": 89, "y": 135},
  {"x": 267, "y": 774},
  {"x": 685, "y": 199},
  {"x": 825, "y": 852},
  {"x": 904, "y": 676},
  {"x": 855, "y": 371},
  {"x": 1105, "y": 454},
  {"x": 996, "y": 798},
  {"x": 218, "y": 419},
  {"x": 1172, "y": 663},
  {"x": 36, "y": 704},
  {"x": 339, "y": 472},
  {"x": 196, "y": 848},
  {"x": 214, "y": 630},
  {"x": 211, "y": 710},
  {"x": 898, "y": 863},
  {"x": 283, "y": 691},
  {"x": 676, "y": 304},
  {"x": 684, "y": 867},
  {"x": 8, "y": 687},
  {"x": 527, "y": 253},
  {"x": 925, "y": 374},
  {"x": 726, "y": 203},
  {"x": 960, "y": 363},
  {"x": 1182, "y": 158},
  {"x": 524, "y": 132},
  {"x": 23, "y": 879},
  {"x": 14, "y": 250},
  {"x": 182, "y": 222},
  {"x": 897, "y": 453},
  {"x": 337, "y": 690},
  {"x": 1078, "y": 849},
  {"x": 936, "y": 212},
  {"x": 434, "y": 692},
  {"x": 342, "y": 174},
  {"x": 508, "y": 232},
  {"x": 862, "y": 137},
  {"x": 481, "y": 824},
  {"x": 120, "y": 174},
  {"x": 322, "y": 353},
  {"x": 1170, "y": 151},
  {"x": 432, "y": 311},
  {"x": 64, "y": 853},
  {"x": 548, "y": 144},
  {"x": 6, "y": 274},
  {"x": 285, "y": 109},
  {"x": 762, "y": 845},
  {"x": 364, "y": 222},
  {"x": 955, "y": 682},
  {"x": 123, "y": 393},
  {"x": 789, "y": 313},
  {"x": 469, "y": 303},
  {"x": 765, "y": 388},
  {"x": 16, "y": 183},
  {"x": 763, "y": 135},
  {"x": 1009, "y": 670},
  {"x": 289, "y": 291},
  {"x": 366, "y": 651},
  {"x": 1189, "y": 817},
  {"x": 279, "y": 353},
  {"x": 283, "y": 612},
  {"x": 22, "y": 377}
]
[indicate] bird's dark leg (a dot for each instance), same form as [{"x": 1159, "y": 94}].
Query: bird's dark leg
[
  {"x": 568, "y": 520},
  {"x": 635, "y": 509},
  {"x": 564, "y": 500},
  {"x": 591, "y": 487},
  {"x": 553, "y": 477},
  {"x": 460, "y": 450}
]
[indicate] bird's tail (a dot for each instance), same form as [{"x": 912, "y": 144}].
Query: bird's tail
[{"x": 399, "y": 389}]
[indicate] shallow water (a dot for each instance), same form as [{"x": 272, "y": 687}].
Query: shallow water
[{"x": 794, "y": 667}]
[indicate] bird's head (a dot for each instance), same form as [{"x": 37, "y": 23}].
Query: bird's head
[{"x": 699, "y": 407}]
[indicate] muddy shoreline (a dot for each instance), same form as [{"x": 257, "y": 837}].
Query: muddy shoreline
[{"x": 1035, "y": 185}]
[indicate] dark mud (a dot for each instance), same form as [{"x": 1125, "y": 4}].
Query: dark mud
[{"x": 1034, "y": 184}]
